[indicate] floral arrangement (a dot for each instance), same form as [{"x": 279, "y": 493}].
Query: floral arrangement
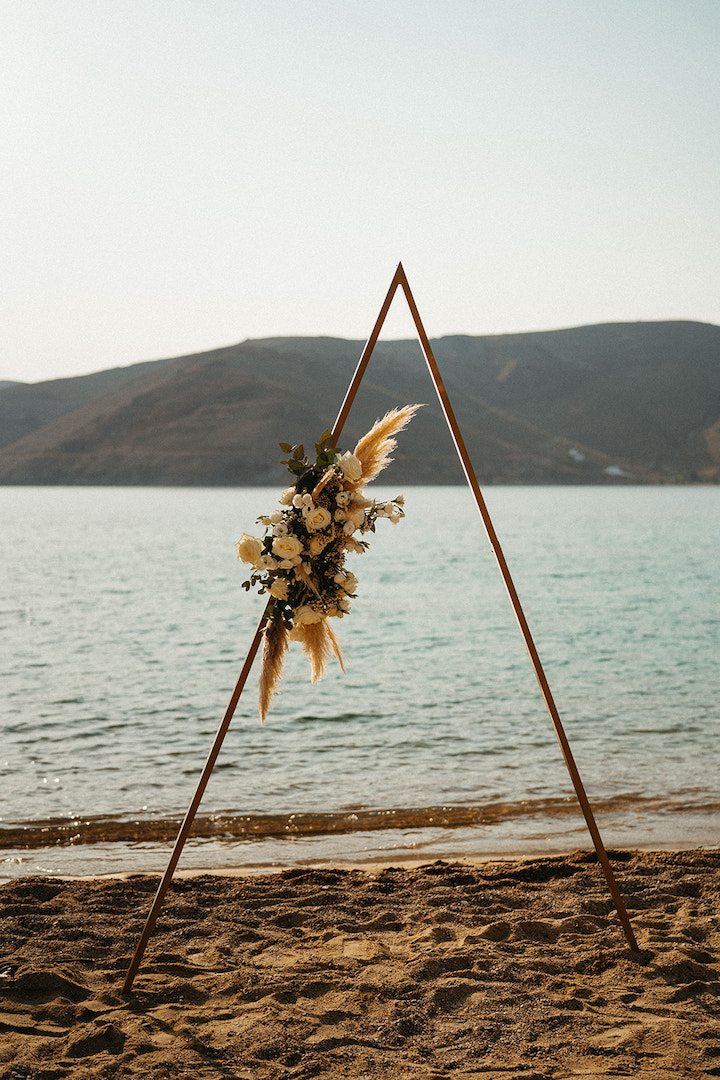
[{"x": 300, "y": 561}]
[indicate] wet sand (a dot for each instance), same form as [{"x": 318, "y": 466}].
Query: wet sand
[{"x": 496, "y": 970}]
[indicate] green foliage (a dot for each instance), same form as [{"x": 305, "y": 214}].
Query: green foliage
[
  {"x": 298, "y": 463},
  {"x": 325, "y": 450}
]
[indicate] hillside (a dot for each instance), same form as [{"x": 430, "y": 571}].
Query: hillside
[{"x": 630, "y": 402}]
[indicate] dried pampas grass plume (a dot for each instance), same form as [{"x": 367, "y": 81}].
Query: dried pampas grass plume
[
  {"x": 374, "y": 449},
  {"x": 320, "y": 643},
  {"x": 274, "y": 649}
]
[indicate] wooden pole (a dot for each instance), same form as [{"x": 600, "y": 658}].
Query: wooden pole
[
  {"x": 366, "y": 354},
  {"x": 230, "y": 711},
  {"x": 401, "y": 280},
  {"x": 192, "y": 809}
]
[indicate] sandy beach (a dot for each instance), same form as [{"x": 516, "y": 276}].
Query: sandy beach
[{"x": 497, "y": 970}]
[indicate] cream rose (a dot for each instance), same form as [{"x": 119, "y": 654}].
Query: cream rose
[
  {"x": 287, "y": 496},
  {"x": 350, "y": 583},
  {"x": 351, "y": 467},
  {"x": 347, "y": 581},
  {"x": 306, "y": 615},
  {"x": 354, "y": 518},
  {"x": 279, "y": 589},
  {"x": 250, "y": 550},
  {"x": 286, "y": 547},
  {"x": 318, "y": 518},
  {"x": 318, "y": 544}
]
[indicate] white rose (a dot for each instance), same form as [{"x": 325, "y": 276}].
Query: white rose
[
  {"x": 250, "y": 550},
  {"x": 280, "y": 529},
  {"x": 279, "y": 589},
  {"x": 306, "y": 615},
  {"x": 348, "y": 581},
  {"x": 343, "y": 498},
  {"x": 287, "y": 496},
  {"x": 268, "y": 563},
  {"x": 351, "y": 467},
  {"x": 318, "y": 518},
  {"x": 286, "y": 547},
  {"x": 275, "y": 518},
  {"x": 354, "y": 516}
]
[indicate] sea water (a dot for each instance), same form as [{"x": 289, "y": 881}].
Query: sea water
[{"x": 124, "y": 627}]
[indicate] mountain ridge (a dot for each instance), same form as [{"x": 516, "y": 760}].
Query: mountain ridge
[{"x": 606, "y": 403}]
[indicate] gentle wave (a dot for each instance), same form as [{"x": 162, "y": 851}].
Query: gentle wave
[{"x": 44, "y": 834}]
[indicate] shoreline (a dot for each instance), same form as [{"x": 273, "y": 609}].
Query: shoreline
[
  {"x": 512, "y": 968},
  {"x": 87, "y": 846},
  {"x": 380, "y": 848},
  {"x": 380, "y": 863}
]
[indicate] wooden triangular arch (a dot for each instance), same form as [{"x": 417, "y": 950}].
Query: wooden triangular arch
[{"x": 399, "y": 281}]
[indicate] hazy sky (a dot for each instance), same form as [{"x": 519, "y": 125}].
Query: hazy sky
[{"x": 184, "y": 174}]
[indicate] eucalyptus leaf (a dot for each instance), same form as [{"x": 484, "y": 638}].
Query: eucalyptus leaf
[{"x": 325, "y": 442}]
